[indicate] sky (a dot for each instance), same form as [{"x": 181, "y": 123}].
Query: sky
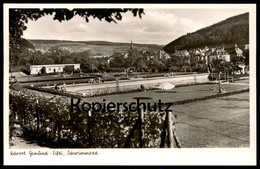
[{"x": 157, "y": 26}]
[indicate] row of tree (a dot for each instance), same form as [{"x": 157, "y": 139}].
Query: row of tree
[
  {"x": 148, "y": 61},
  {"x": 141, "y": 61}
]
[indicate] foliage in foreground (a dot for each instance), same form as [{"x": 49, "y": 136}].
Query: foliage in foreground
[{"x": 51, "y": 121}]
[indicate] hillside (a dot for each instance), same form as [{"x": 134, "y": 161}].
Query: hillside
[
  {"x": 232, "y": 30},
  {"x": 103, "y": 48}
]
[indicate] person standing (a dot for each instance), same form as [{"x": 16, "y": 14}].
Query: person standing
[{"x": 64, "y": 86}]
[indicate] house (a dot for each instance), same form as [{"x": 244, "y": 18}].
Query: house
[
  {"x": 164, "y": 55},
  {"x": 182, "y": 53},
  {"x": 234, "y": 51},
  {"x": 246, "y": 46},
  {"x": 207, "y": 54},
  {"x": 219, "y": 53},
  {"x": 237, "y": 53},
  {"x": 201, "y": 53},
  {"x": 55, "y": 68},
  {"x": 126, "y": 55},
  {"x": 206, "y": 48},
  {"x": 195, "y": 53}
]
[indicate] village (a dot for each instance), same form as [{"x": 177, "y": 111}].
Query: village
[
  {"x": 227, "y": 53},
  {"x": 231, "y": 54}
]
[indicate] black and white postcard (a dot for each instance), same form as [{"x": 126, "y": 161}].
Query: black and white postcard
[{"x": 129, "y": 84}]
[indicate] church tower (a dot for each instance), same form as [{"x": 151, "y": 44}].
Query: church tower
[{"x": 131, "y": 45}]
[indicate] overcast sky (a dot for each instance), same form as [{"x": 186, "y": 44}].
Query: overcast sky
[{"x": 157, "y": 26}]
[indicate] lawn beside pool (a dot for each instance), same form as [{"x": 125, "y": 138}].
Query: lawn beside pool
[{"x": 220, "y": 122}]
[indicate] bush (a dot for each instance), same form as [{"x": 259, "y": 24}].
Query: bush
[
  {"x": 26, "y": 71},
  {"x": 58, "y": 79},
  {"x": 116, "y": 70}
]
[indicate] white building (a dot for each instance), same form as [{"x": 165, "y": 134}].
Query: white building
[
  {"x": 46, "y": 69},
  {"x": 246, "y": 46},
  {"x": 219, "y": 53}
]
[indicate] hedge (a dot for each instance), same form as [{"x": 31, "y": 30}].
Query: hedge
[
  {"x": 50, "y": 122},
  {"x": 57, "y": 79},
  {"x": 72, "y": 78}
]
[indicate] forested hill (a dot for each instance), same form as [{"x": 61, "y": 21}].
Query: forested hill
[{"x": 232, "y": 30}]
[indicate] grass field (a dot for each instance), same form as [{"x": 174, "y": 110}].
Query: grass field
[
  {"x": 174, "y": 95},
  {"x": 220, "y": 122}
]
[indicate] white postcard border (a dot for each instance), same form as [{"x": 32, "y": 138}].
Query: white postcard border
[{"x": 184, "y": 156}]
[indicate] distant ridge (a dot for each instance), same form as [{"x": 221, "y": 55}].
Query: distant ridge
[
  {"x": 95, "y": 48},
  {"x": 42, "y": 41},
  {"x": 232, "y": 30}
]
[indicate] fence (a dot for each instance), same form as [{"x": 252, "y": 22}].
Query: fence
[
  {"x": 221, "y": 76},
  {"x": 51, "y": 121}
]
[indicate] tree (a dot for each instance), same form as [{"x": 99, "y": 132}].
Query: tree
[
  {"x": 246, "y": 54},
  {"x": 58, "y": 55},
  {"x": 49, "y": 61},
  {"x": 174, "y": 68},
  {"x": 141, "y": 65},
  {"x": 221, "y": 65},
  {"x": 102, "y": 64},
  {"x": 184, "y": 68},
  {"x": 117, "y": 60}
]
